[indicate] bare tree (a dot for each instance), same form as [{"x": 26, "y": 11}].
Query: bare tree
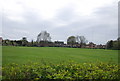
[
  {"x": 81, "y": 40},
  {"x": 43, "y": 36}
]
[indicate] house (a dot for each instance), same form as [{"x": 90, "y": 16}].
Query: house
[
  {"x": 101, "y": 46},
  {"x": 59, "y": 43},
  {"x": 91, "y": 45}
]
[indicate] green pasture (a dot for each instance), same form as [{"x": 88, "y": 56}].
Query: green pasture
[{"x": 21, "y": 55}]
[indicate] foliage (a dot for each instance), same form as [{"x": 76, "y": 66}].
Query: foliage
[
  {"x": 110, "y": 44},
  {"x": 63, "y": 71},
  {"x": 78, "y": 41},
  {"x": 113, "y": 44},
  {"x": 71, "y": 40}
]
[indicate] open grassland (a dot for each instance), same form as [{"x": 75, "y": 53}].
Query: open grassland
[{"x": 21, "y": 55}]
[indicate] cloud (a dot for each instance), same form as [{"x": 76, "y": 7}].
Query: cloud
[
  {"x": 99, "y": 27},
  {"x": 29, "y": 18}
]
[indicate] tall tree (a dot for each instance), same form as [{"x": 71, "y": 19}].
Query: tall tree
[
  {"x": 81, "y": 40},
  {"x": 32, "y": 43},
  {"x": 71, "y": 40},
  {"x": 43, "y": 36},
  {"x": 24, "y": 41},
  {"x": 118, "y": 38},
  {"x": 110, "y": 44}
]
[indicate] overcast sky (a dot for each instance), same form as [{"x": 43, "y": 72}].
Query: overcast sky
[{"x": 97, "y": 20}]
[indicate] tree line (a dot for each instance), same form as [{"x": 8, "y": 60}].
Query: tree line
[
  {"x": 44, "y": 40},
  {"x": 113, "y": 44},
  {"x": 72, "y": 41}
]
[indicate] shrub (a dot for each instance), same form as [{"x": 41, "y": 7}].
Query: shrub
[{"x": 62, "y": 71}]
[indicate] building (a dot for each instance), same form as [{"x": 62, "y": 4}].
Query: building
[
  {"x": 59, "y": 43},
  {"x": 101, "y": 46},
  {"x": 91, "y": 45}
]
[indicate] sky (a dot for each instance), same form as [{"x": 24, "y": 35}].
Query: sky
[{"x": 96, "y": 20}]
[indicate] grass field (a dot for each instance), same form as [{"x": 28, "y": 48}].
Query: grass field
[{"x": 21, "y": 55}]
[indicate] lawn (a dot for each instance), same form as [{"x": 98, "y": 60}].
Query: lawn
[{"x": 21, "y": 55}]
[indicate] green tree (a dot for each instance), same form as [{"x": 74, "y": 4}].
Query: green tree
[
  {"x": 24, "y": 41},
  {"x": 110, "y": 44},
  {"x": 118, "y": 38},
  {"x": 32, "y": 43},
  {"x": 71, "y": 40}
]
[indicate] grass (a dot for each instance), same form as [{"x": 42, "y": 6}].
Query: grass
[
  {"x": 21, "y": 55},
  {"x": 47, "y": 63}
]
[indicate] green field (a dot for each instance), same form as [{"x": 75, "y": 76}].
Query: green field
[{"x": 21, "y": 55}]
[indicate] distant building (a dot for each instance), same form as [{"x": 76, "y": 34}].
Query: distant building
[
  {"x": 59, "y": 43},
  {"x": 101, "y": 46},
  {"x": 91, "y": 45}
]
